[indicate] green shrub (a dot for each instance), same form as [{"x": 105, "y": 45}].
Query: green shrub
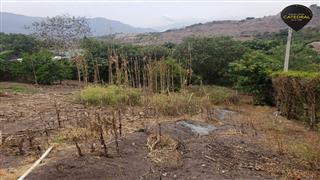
[
  {"x": 37, "y": 67},
  {"x": 251, "y": 74},
  {"x": 110, "y": 95}
]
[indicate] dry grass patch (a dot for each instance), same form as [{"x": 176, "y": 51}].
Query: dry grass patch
[
  {"x": 163, "y": 151},
  {"x": 17, "y": 88},
  {"x": 175, "y": 104},
  {"x": 292, "y": 140},
  {"x": 215, "y": 94},
  {"x": 307, "y": 153}
]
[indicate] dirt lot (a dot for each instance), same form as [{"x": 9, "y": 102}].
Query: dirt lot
[{"x": 247, "y": 142}]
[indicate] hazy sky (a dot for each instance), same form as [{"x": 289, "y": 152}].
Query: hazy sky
[{"x": 152, "y": 14}]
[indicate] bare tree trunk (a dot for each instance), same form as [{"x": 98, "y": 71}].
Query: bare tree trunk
[
  {"x": 150, "y": 84},
  {"x": 130, "y": 77},
  {"x": 144, "y": 71},
  {"x": 34, "y": 73},
  {"x": 118, "y": 75},
  {"x": 168, "y": 77},
  {"x": 78, "y": 71},
  {"x": 110, "y": 69},
  {"x": 156, "y": 79},
  {"x": 313, "y": 115},
  {"x": 190, "y": 65},
  {"x": 136, "y": 72},
  {"x": 139, "y": 73},
  {"x": 97, "y": 70},
  {"x": 85, "y": 71},
  {"x": 126, "y": 76},
  {"x": 95, "y": 74},
  {"x": 172, "y": 79},
  {"x": 180, "y": 75},
  {"x": 162, "y": 76}
]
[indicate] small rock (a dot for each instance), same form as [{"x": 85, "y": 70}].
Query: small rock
[
  {"x": 164, "y": 174},
  {"x": 174, "y": 176},
  {"x": 258, "y": 168},
  {"x": 11, "y": 170},
  {"x": 203, "y": 165},
  {"x": 133, "y": 144}
]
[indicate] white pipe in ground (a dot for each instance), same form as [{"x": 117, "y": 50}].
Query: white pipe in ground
[{"x": 35, "y": 163}]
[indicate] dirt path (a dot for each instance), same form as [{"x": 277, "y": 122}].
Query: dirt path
[{"x": 248, "y": 143}]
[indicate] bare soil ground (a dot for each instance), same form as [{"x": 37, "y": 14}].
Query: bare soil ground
[{"x": 251, "y": 143}]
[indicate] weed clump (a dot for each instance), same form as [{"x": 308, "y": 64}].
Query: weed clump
[
  {"x": 110, "y": 95},
  {"x": 175, "y": 104},
  {"x": 307, "y": 154},
  {"x": 216, "y": 94},
  {"x": 18, "y": 89},
  {"x": 191, "y": 100}
]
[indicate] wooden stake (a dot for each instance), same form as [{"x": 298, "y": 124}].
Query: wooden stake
[
  {"x": 120, "y": 123},
  {"x": 115, "y": 132},
  {"x": 102, "y": 142}
]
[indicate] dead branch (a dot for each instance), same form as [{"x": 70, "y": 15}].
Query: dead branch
[
  {"x": 120, "y": 123},
  {"x": 102, "y": 141},
  {"x": 115, "y": 132},
  {"x": 75, "y": 140}
]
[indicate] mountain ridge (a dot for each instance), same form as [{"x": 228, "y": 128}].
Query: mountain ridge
[
  {"x": 117, "y": 31},
  {"x": 238, "y": 29},
  {"x": 15, "y": 23}
]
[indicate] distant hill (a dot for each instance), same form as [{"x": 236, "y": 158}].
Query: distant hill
[
  {"x": 243, "y": 29},
  {"x": 316, "y": 46},
  {"x": 14, "y": 23}
]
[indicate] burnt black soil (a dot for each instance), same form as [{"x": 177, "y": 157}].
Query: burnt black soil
[{"x": 204, "y": 157}]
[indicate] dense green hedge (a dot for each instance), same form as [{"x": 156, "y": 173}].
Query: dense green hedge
[{"x": 297, "y": 95}]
